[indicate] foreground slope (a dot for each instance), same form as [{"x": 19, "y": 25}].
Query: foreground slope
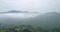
[{"x": 48, "y": 20}]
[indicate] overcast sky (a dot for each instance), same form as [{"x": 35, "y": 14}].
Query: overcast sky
[
  {"x": 30, "y": 5},
  {"x": 40, "y": 6}
]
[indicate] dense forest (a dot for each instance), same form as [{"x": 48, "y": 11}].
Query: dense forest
[{"x": 21, "y": 28}]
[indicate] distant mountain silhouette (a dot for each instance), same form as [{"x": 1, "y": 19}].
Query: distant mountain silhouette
[{"x": 14, "y": 11}]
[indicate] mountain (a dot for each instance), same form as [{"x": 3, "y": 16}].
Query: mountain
[
  {"x": 48, "y": 20},
  {"x": 14, "y": 16},
  {"x": 14, "y": 11}
]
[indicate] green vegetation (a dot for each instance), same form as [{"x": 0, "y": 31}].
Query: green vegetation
[{"x": 20, "y": 28}]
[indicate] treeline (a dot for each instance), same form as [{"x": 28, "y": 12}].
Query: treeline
[{"x": 25, "y": 28}]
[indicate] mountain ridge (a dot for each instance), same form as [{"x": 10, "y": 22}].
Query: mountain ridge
[
  {"x": 14, "y": 11},
  {"x": 48, "y": 20}
]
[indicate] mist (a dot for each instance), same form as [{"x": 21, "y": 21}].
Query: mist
[{"x": 30, "y": 15}]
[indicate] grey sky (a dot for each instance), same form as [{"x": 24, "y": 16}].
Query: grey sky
[
  {"x": 30, "y": 5},
  {"x": 40, "y": 6}
]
